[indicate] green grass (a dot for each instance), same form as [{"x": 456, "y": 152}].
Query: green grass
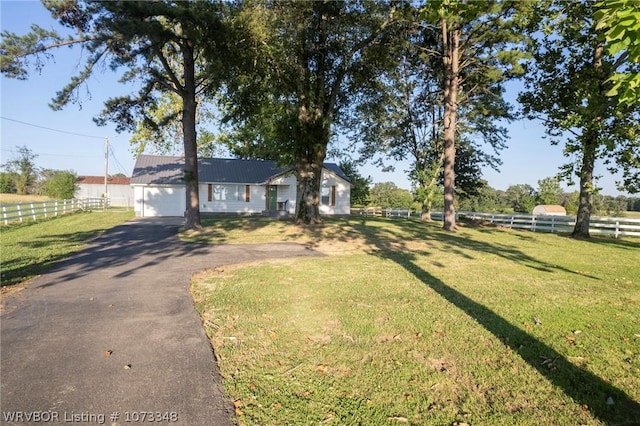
[
  {"x": 410, "y": 324},
  {"x": 29, "y": 248}
]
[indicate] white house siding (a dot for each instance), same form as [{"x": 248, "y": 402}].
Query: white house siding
[
  {"x": 286, "y": 191},
  {"x": 157, "y": 193},
  {"x": 342, "y": 194},
  {"x": 151, "y": 201}
]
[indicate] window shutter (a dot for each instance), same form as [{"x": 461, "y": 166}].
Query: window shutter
[
  {"x": 210, "y": 192},
  {"x": 333, "y": 195},
  {"x": 247, "y": 193}
]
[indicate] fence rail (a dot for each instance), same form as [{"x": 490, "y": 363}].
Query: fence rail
[
  {"x": 615, "y": 226},
  {"x": 45, "y": 209},
  {"x": 380, "y": 212}
]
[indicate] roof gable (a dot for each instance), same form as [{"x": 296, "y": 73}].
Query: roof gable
[
  {"x": 337, "y": 170},
  {"x": 166, "y": 170}
]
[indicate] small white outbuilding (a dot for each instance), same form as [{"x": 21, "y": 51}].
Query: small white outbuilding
[{"x": 549, "y": 210}]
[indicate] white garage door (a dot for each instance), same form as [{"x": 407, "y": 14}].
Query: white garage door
[{"x": 167, "y": 201}]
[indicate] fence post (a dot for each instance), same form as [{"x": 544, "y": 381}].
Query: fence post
[
  {"x": 4, "y": 213},
  {"x": 20, "y": 212},
  {"x": 553, "y": 224},
  {"x": 617, "y": 233},
  {"x": 33, "y": 211},
  {"x": 44, "y": 207},
  {"x": 533, "y": 223},
  {"x": 55, "y": 208}
]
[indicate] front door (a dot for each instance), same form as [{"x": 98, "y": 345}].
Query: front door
[{"x": 272, "y": 198}]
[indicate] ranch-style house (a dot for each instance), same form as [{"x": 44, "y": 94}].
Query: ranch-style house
[{"x": 231, "y": 186}]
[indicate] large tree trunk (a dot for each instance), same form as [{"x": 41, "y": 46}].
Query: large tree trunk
[
  {"x": 425, "y": 214},
  {"x": 192, "y": 214},
  {"x": 309, "y": 176},
  {"x": 451, "y": 41},
  {"x": 313, "y": 134},
  {"x": 590, "y": 142},
  {"x": 583, "y": 217},
  {"x": 308, "y": 190}
]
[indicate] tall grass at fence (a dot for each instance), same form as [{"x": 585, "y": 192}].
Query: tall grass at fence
[{"x": 17, "y": 199}]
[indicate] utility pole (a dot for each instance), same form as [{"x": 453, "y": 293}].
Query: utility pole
[{"x": 106, "y": 169}]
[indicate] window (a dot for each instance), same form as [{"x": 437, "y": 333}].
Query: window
[
  {"x": 324, "y": 196},
  {"x": 220, "y": 192},
  {"x": 328, "y": 195},
  {"x": 229, "y": 192},
  {"x": 209, "y": 192}
]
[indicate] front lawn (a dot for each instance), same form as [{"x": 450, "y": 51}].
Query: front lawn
[{"x": 403, "y": 323}]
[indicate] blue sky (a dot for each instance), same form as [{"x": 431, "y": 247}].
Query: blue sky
[{"x": 77, "y": 143}]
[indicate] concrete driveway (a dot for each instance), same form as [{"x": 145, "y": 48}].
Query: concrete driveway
[{"x": 110, "y": 336}]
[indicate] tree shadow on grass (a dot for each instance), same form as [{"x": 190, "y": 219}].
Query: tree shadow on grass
[
  {"x": 458, "y": 243},
  {"x": 16, "y": 270},
  {"x": 116, "y": 248},
  {"x": 584, "y": 387},
  {"x": 217, "y": 226},
  {"x": 390, "y": 242}
]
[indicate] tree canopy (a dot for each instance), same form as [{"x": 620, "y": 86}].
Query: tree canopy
[
  {"x": 314, "y": 57},
  {"x": 21, "y": 172},
  {"x": 620, "y": 22},
  {"x": 574, "y": 103},
  {"x": 480, "y": 45},
  {"x": 163, "y": 47},
  {"x": 423, "y": 82},
  {"x": 402, "y": 119}
]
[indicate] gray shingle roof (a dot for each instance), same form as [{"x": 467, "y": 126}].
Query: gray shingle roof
[{"x": 165, "y": 170}]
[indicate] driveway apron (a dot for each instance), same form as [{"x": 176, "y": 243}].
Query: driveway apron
[{"x": 110, "y": 336}]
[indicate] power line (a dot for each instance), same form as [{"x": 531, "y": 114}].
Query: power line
[
  {"x": 118, "y": 164},
  {"x": 40, "y": 154},
  {"x": 53, "y": 130}
]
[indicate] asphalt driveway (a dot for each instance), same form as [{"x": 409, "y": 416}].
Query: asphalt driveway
[{"x": 110, "y": 336}]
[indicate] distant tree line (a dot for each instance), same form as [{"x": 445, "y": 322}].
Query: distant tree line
[
  {"x": 21, "y": 176},
  {"x": 522, "y": 198},
  {"x": 519, "y": 198}
]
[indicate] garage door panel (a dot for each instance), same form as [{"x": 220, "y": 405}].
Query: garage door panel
[{"x": 165, "y": 201}]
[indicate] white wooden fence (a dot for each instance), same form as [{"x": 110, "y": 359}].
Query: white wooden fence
[
  {"x": 380, "y": 212},
  {"x": 615, "y": 226},
  {"x": 45, "y": 209}
]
